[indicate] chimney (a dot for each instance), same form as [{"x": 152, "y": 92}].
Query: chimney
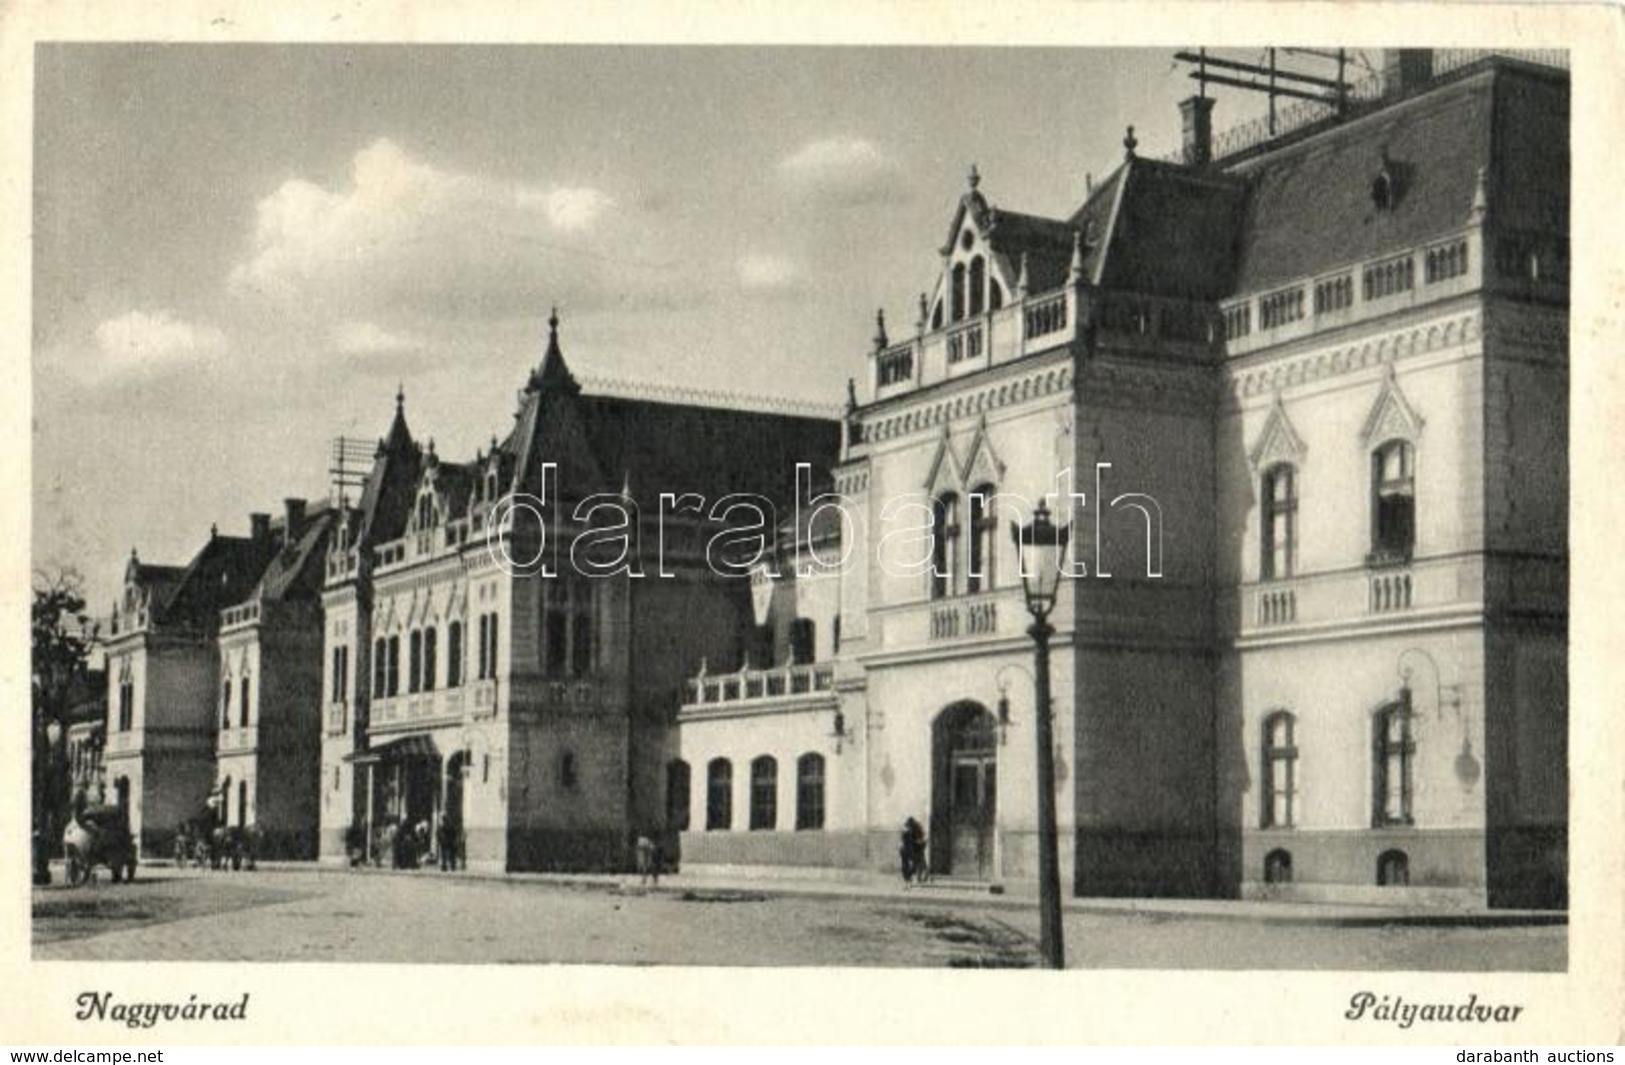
[
  {"x": 259, "y": 526},
  {"x": 294, "y": 518},
  {"x": 1197, "y": 115},
  {"x": 1405, "y": 70}
]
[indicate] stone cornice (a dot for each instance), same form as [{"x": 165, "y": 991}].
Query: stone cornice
[
  {"x": 1264, "y": 374},
  {"x": 1005, "y": 390}
]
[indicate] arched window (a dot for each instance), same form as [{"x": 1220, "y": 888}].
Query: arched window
[
  {"x": 1280, "y": 774},
  {"x": 242, "y": 697},
  {"x": 426, "y": 511},
  {"x": 810, "y": 792},
  {"x": 392, "y": 676},
  {"x": 677, "y": 784},
  {"x": 944, "y": 543},
  {"x": 977, "y": 284},
  {"x": 764, "y": 793},
  {"x": 1278, "y": 493},
  {"x": 719, "y": 803},
  {"x": 242, "y": 803},
  {"x": 414, "y": 672},
  {"x": 429, "y": 650},
  {"x": 225, "y": 801},
  {"x": 1393, "y": 869},
  {"x": 225, "y": 703},
  {"x": 1393, "y": 758},
  {"x": 983, "y": 527},
  {"x": 1393, "y": 500},
  {"x": 1278, "y": 867},
  {"x": 380, "y": 667},
  {"x": 956, "y": 292},
  {"x": 454, "y": 654}
]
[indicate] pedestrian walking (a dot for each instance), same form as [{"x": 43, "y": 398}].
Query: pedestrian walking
[{"x": 648, "y": 861}]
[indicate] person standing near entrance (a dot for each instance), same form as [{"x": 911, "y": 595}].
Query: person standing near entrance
[{"x": 911, "y": 851}]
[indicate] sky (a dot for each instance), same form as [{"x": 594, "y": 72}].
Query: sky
[{"x": 241, "y": 251}]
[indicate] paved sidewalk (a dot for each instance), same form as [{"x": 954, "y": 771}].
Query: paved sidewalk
[{"x": 876, "y": 886}]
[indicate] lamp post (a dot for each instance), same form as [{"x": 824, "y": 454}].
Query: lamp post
[{"x": 1042, "y": 546}]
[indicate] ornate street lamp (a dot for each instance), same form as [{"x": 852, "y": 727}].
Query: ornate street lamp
[{"x": 1042, "y": 547}]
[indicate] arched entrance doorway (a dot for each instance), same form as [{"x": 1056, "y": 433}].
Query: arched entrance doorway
[{"x": 964, "y": 791}]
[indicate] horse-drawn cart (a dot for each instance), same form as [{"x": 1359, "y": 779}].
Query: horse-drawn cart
[{"x": 99, "y": 835}]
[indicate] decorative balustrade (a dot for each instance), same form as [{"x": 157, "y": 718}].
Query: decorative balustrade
[
  {"x": 1390, "y": 277},
  {"x": 1445, "y": 261},
  {"x": 1277, "y": 606},
  {"x": 894, "y": 366},
  {"x": 950, "y": 621},
  {"x": 1045, "y": 315},
  {"x": 760, "y": 685},
  {"x": 965, "y": 343},
  {"x": 243, "y": 614},
  {"x": 1390, "y": 590}
]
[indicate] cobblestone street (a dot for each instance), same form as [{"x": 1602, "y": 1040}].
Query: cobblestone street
[{"x": 311, "y": 915}]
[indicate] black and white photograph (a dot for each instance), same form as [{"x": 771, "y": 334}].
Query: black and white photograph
[{"x": 834, "y": 505}]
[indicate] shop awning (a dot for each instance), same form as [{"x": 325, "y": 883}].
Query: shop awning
[{"x": 417, "y": 745}]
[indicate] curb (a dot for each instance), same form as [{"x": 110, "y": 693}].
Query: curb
[{"x": 1301, "y": 914}]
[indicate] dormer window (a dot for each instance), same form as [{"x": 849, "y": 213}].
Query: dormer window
[
  {"x": 426, "y": 515},
  {"x": 978, "y": 285}
]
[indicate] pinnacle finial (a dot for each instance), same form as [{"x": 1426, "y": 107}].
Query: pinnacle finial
[
  {"x": 851, "y": 395},
  {"x": 400, "y": 398},
  {"x": 1481, "y": 199},
  {"x": 974, "y": 177},
  {"x": 553, "y": 321},
  {"x": 1021, "y": 278},
  {"x": 925, "y": 312},
  {"x": 1129, "y": 144},
  {"x": 880, "y": 329},
  {"x": 1075, "y": 271}
]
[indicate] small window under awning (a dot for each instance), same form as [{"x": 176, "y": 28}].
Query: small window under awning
[{"x": 417, "y": 745}]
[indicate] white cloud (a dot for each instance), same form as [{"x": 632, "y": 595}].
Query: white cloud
[
  {"x": 145, "y": 342},
  {"x": 843, "y": 171},
  {"x": 369, "y": 338},
  {"x": 767, "y": 273},
  {"x": 408, "y": 235}
]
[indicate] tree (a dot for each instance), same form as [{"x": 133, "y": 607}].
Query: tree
[{"x": 63, "y": 636}]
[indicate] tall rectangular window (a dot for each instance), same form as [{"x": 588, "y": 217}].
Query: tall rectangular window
[
  {"x": 764, "y": 793},
  {"x": 414, "y": 658},
  {"x": 1280, "y": 771},
  {"x": 242, "y": 717},
  {"x": 429, "y": 650},
  {"x": 393, "y": 674},
  {"x": 380, "y": 667},
  {"x": 1393, "y": 490},
  {"x": 491, "y": 655},
  {"x": 1393, "y": 757},
  {"x": 719, "y": 782},
  {"x": 1280, "y": 515},
  {"x": 485, "y": 647},
  {"x": 225, "y": 703},
  {"x": 454, "y": 654},
  {"x": 809, "y": 792}
]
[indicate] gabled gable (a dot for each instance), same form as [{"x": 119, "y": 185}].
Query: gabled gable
[
  {"x": 982, "y": 464},
  {"x": 945, "y": 467},
  {"x": 1392, "y": 415},
  {"x": 1278, "y": 442}
]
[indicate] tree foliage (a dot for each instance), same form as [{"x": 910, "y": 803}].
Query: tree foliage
[{"x": 63, "y": 637}]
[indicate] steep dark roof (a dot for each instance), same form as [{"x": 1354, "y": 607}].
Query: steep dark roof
[
  {"x": 602, "y": 443},
  {"x": 1162, "y": 229},
  {"x": 668, "y": 447},
  {"x": 160, "y": 581},
  {"x": 297, "y": 570},
  {"x": 1046, "y": 243},
  {"x": 386, "y": 498},
  {"x": 222, "y": 573},
  {"x": 1310, "y": 205}
]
